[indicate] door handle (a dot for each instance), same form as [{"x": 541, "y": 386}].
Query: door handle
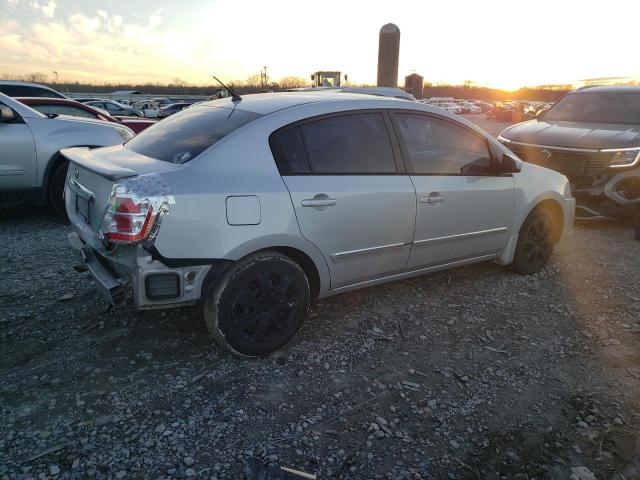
[
  {"x": 432, "y": 198},
  {"x": 318, "y": 202}
]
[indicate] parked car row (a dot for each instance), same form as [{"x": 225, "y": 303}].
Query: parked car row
[
  {"x": 516, "y": 110},
  {"x": 73, "y": 108},
  {"x": 455, "y": 105}
]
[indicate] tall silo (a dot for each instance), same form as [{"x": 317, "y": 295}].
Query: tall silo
[{"x": 388, "y": 52}]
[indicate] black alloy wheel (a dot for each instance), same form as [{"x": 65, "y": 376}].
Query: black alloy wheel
[
  {"x": 265, "y": 307},
  {"x": 535, "y": 243},
  {"x": 258, "y": 304}
]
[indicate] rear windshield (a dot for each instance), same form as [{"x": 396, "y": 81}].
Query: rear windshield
[
  {"x": 183, "y": 136},
  {"x": 597, "y": 108}
]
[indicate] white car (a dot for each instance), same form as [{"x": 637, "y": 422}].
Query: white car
[
  {"x": 31, "y": 167},
  {"x": 256, "y": 205},
  {"x": 469, "y": 107},
  {"x": 449, "y": 107}
]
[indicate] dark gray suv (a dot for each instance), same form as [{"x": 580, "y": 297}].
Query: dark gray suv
[{"x": 592, "y": 136}]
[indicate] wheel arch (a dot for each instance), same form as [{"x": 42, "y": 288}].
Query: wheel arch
[
  {"x": 300, "y": 251},
  {"x": 307, "y": 265},
  {"x": 55, "y": 160},
  {"x": 552, "y": 204},
  {"x": 556, "y": 211}
]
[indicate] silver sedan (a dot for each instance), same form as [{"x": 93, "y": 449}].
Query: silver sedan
[{"x": 255, "y": 206}]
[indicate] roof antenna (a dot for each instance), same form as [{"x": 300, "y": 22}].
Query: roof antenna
[{"x": 234, "y": 96}]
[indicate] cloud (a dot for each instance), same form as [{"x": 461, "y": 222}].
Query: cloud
[
  {"x": 155, "y": 19},
  {"x": 102, "y": 47},
  {"x": 49, "y": 9},
  {"x": 84, "y": 25}
]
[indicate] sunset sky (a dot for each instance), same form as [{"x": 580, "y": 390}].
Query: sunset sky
[{"x": 497, "y": 43}]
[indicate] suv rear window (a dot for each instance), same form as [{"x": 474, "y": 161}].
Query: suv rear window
[{"x": 183, "y": 136}]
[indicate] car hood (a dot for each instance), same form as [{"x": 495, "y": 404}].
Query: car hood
[{"x": 574, "y": 134}]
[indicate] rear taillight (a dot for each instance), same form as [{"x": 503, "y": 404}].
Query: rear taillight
[
  {"x": 135, "y": 209},
  {"x": 127, "y": 220}
]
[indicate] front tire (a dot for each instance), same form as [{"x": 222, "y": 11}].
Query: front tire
[
  {"x": 535, "y": 243},
  {"x": 56, "y": 188},
  {"x": 258, "y": 305}
]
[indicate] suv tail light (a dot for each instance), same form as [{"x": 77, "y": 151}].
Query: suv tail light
[{"x": 127, "y": 219}]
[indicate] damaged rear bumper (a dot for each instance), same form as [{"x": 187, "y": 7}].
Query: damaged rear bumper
[
  {"x": 110, "y": 286},
  {"x": 133, "y": 272}
]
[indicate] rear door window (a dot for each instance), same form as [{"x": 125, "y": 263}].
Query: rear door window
[
  {"x": 289, "y": 151},
  {"x": 349, "y": 144},
  {"x": 183, "y": 136},
  {"x": 345, "y": 144}
]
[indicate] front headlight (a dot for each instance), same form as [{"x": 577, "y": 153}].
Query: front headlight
[
  {"x": 125, "y": 133},
  {"x": 626, "y": 157}
]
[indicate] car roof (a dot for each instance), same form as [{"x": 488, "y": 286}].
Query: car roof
[
  {"x": 26, "y": 84},
  {"x": 60, "y": 101},
  {"x": 609, "y": 89},
  {"x": 266, "y": 103}
]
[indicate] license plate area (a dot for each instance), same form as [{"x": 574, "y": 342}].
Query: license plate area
[{"x": 83, "y": 200}]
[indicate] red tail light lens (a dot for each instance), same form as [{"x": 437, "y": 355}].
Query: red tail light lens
[{"x": 127, "y": 220}]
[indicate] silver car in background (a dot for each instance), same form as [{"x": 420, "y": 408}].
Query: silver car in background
[
  {"x": 31, "y": 167},
  {"x": 256, "y": 206}
]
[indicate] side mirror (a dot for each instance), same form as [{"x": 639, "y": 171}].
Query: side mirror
[
  {"x": 508, "y": 164},
  {"x": 540, "y": 113},
  {"x": 6, "y": 114},
  {"x": 478, "y": 167}
]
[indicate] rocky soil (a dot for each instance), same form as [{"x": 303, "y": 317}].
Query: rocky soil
[{"x": 473, "y": 373}]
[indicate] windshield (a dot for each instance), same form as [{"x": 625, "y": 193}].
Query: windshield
[
  {"x": 597, "y": 108},
  {"x": 183, "y": 136}
]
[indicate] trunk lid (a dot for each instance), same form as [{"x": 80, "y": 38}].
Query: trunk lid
[{"x": 90, "y": 180}]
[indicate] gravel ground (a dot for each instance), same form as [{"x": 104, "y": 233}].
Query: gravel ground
[{"x": 472, "y": 373}]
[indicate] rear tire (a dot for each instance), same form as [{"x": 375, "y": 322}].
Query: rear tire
[
  {"x": 535, "y": 243},
  {"x": 56, "y": 188},
  {"x": 258, "y": 305}
]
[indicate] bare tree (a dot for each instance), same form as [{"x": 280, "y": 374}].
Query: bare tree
[
  {"x": 36, "y": 77},
  {"x": 253, "y": 80},
  {"x": 291, "y": 82}
]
